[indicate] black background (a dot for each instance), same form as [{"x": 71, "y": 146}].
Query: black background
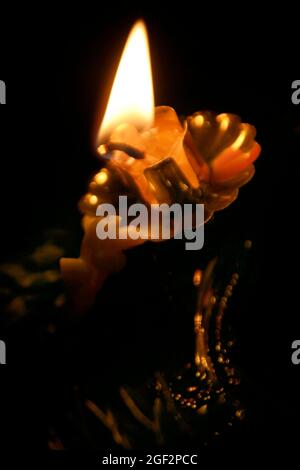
[{"x": 58, "y": 67}]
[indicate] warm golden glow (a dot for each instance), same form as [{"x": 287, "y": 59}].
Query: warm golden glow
[
  {"x": 102, "y": 150},
  {"x": 202, "y": 410},
  {"x": 101, "y": 177},
  {"x": 240, "y": 139},
  {"x": 197, "y": 277},
  {"x": 131, "y": 100},
  {"x": 199, "y": 120},
  {"x": 93, "y": 199},
  {"x": 224, "y": 121}
]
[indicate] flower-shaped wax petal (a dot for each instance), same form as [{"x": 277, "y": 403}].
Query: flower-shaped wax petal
[{"x": 222, "y": 149}]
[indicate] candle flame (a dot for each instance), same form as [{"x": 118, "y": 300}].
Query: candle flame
[{"x": 131, "y": 100}]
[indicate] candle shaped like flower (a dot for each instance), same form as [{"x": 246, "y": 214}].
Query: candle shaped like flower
[{"x": 154, "y": 158}]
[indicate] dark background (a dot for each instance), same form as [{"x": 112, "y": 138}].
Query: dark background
[{"x": 58, "y": 67}]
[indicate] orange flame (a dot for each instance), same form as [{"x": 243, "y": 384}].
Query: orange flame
[{"x": 131, "y": 100}]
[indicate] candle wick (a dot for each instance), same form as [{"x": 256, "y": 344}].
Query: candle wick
[{"x": 131, "y": 151}]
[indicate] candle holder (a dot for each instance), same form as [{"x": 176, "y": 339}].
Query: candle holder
[
  {"x": 204, "y": 159},
  {"x": 220, "y": 149}
]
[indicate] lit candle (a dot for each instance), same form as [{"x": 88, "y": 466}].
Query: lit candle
[{"x": 154, "y": 158}]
